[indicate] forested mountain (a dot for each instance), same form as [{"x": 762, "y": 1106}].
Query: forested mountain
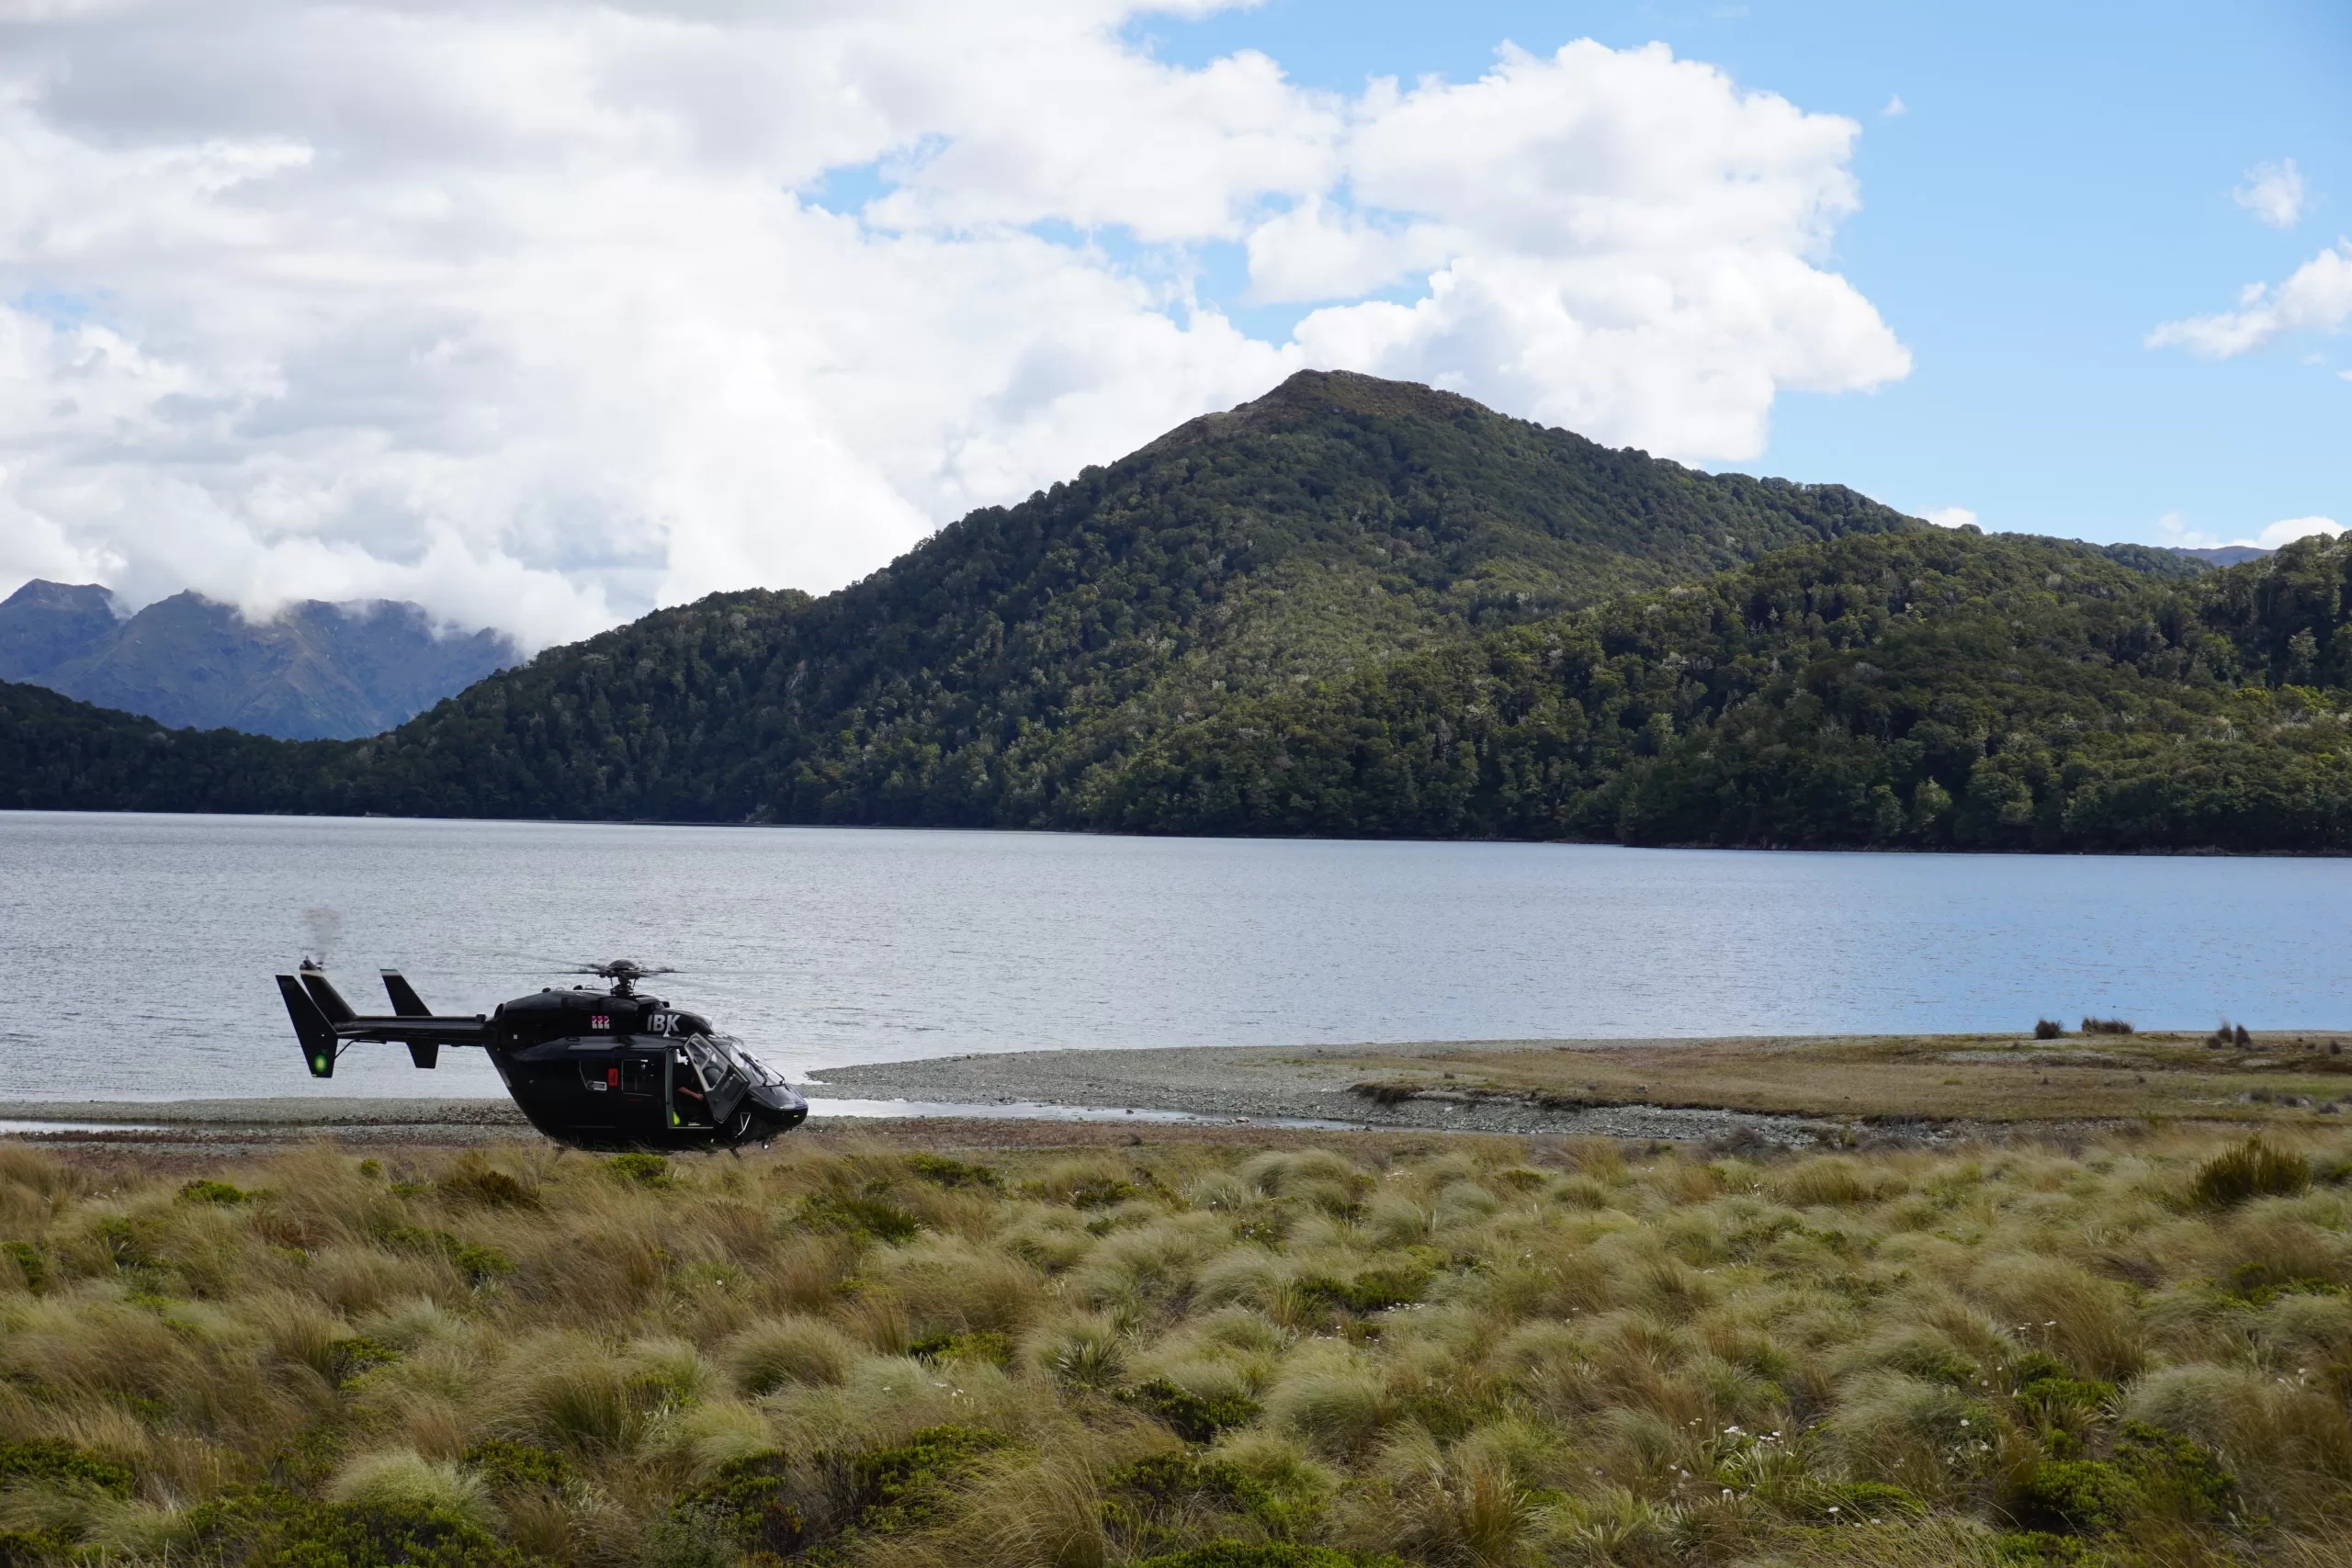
[
  {"x": 1918, "y": 690},
  {"x": 1356, "y": 608},
  {"x": 315, "y": 672},
  {"x": 1337, "y": 521}
]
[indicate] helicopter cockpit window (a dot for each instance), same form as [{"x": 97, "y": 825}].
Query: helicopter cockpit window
[{"x": 750, "y": 1067}]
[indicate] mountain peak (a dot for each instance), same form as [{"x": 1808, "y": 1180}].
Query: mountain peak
[
  {"x": 77, "y": 597},
  {"x": 1350, "y": 392},
  {"x": 312, "y": 670}
]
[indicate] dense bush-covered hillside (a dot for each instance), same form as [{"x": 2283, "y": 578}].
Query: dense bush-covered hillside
[
  {"x": 1338, "y": 521},
  {"x": 1921, "y": 690},
  {"x": 1374, "y": 1355},
  {"x": 1911, "y": 689}
]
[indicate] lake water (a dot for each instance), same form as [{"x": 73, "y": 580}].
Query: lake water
[{"x": 139, "y": 949}]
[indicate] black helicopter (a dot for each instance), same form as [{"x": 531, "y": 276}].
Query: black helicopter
[{"x": 597, "y": 1069}]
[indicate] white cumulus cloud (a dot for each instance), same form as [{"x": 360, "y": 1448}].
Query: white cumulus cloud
[
  {"x": 2294, "y": 528},
  {"x": 2173, "y": 529},
  {"x": 543, "y": 314},
  {"x": 1950, "y": 517},
  {"x": 2316, "y": 297},
  {"x": 2273, "y": 193}
]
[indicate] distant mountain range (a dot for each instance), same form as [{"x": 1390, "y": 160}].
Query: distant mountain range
[
  {"x": 317, "y": 671},
  {"x": 1357, "y": 607},
  {"x": 2222, "y": 555}
]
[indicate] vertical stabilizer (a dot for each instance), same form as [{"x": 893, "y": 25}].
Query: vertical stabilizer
[
  {"x": 311, "y": 1027},
  {"x": 330, "y": 1000},
  {"x": 405, "y": 1001}
]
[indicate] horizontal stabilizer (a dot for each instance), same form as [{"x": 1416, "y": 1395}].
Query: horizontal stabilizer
[
  {"x": 310, "y": 1026},
  {"x": 405, "y": 1001},
  {"x": 325, "y": 1023}
]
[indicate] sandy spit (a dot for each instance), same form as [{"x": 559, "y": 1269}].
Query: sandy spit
[{"x": 1264, "y": 1083}]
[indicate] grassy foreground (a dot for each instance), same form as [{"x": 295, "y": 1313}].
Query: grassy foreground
[{"x": 1439, "y": 1351}]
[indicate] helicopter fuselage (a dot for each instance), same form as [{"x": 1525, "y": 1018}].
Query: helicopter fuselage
[
  {"x": 598, "y": 1069},
  {"x": 610, "y": 1072}
]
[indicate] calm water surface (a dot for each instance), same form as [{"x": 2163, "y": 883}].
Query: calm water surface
[{"x": 139, "y": 949}]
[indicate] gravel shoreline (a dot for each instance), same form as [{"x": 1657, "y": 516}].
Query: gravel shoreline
[
  {"x": 1257, "y": 1086},
  {"x": 251, "y": 1126},
  {"x": 1276, "y": 1083}
]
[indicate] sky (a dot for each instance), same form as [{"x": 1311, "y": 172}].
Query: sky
[{"x": 543, "y": 315}]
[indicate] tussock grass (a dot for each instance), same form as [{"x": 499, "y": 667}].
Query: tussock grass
[{"x": 1488, "y": 1353}]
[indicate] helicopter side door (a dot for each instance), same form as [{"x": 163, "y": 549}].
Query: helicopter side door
[{"x": 622, "y": 1088}]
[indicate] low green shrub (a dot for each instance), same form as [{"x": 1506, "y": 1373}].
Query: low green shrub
[
  {"x": 693, "y": 1536},
  {"x": 508, "y": 1466},
  {"x": 358, "y": 1355},
  {"x": 941, "y": 1171},
  {"x": 2047, "y": 1382},
  {"x": 900, "y": 1488},
  {"x": 29, "y": 1263},
  {"x": 2077, "y": 1496},
  {"x": 1375, "y": 1290},
  {"x": 2150, "y": 1468},
  {"x": 1146, "y": 1503},
  {"x": 743, "y": 1507},
  {"x": 33, "y": 1548},
  {"x": 1266, "y": 1555},
  {"x": 1189, "y": 1416},
  {"x": 2178, "y": 1473},
  {"x": 205, "y": 1190},
  {"x": 640, "y": 1169},
  {"x": 270, "y": 1528},
  {"x": 1168, "y": 1480},
  {"x": 60, "y": 1463},
  {"x": 1102, "y": 1192}
]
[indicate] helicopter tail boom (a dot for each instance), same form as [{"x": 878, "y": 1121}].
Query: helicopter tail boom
[{"x": 324, "y": 1022}]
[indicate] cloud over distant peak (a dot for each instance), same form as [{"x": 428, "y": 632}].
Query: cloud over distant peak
[
  {"x": 2173, "y": 530},
  {"x": 2294, "y": 528},
  {"x": 541, "y": 314}
]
